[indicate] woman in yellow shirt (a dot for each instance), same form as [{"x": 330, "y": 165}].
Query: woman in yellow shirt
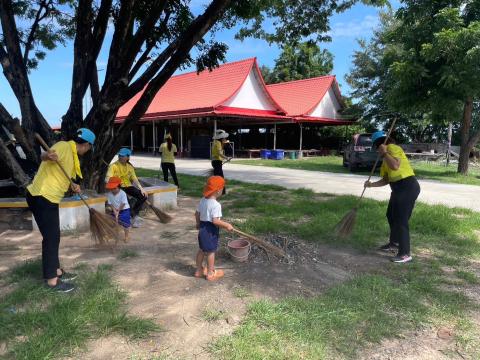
[
  {"x": 126, "y": 172},
  {"x": 397, "y": 172},
  {"x": 218, "y": 154},
  {"x": 45, "y": 193},
  {"x": 168, "y": 151}
]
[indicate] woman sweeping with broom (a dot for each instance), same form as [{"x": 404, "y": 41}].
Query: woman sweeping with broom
[
  {"x": 45, "y": 193},
  {"x": 218, "y": 154},
  {"x": 396, "y": 172}
]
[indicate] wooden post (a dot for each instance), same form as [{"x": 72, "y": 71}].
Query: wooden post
[
  {"x": 449, "y": 145},
  {"x": 181, "y": 137},
  {"x": 153, "y": 136},
  {"x": 214, "y": 126},
  {"x": 301, "y": 137},
  {"x": 275, "y": 136},
  {"x": 131, "y": 141}
]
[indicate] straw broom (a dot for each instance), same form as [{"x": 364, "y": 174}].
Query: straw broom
[
  {"x": 209, "y": 172},
  {"x": 162, "y": 216},
  {"x": 102, "y": 226},
  {"x": 345, "y": 227},
  {"x": 262, "y": 243}
]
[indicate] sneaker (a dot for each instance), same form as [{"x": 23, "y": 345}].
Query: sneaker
[
  {"x": 61, "y": 286},
  {"x": 389, "y": 247},
  {"x": 66, "y": 276},
  {"x": 137, "y": 222},
  {"x": 401, "y": 259}
]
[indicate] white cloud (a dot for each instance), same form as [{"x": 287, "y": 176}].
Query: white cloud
[{"x": 355, "y": 28}]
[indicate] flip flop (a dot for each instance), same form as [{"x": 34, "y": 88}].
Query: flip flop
[
  {"x": 198, "y": 275},
  {"x": 217, "y": 274}
]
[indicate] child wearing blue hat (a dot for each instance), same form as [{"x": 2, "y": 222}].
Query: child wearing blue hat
[{"x": 124, "y": 170}]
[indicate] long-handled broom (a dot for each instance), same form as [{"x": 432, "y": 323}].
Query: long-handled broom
[
  {"x": 102, "y": 227},
  {"x": 209, "y": 172},
  {"x": 345, "y": 227},
  {"x": 269, "y": 247},
  {"x": 162, "y": 216}
]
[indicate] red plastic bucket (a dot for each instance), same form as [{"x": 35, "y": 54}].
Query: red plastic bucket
[{"x": 239, "y": 249}]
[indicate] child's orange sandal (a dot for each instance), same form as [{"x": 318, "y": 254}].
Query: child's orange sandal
[
  {"x": 217, "y": 274},
  {"x": 201, "y": 275}
]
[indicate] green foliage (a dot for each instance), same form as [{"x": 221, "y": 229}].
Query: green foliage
[{"x": 304, "y": 61}]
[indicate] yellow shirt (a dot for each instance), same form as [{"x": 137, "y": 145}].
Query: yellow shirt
[
  {"x": 404, "y": 171},
  {"x": 217, "y": 150},
  {"x": 126, "y": 173},
  {"x": 50, "y": 182},
  {"x": 168, "y": 156}
]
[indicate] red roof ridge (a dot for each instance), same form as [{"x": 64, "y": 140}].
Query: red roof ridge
[
  {"x": 302, "y": 80},
  {"x": 213, "y": 69}
]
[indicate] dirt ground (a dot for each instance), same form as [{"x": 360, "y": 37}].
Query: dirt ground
[{"x": 160, "y": 286}]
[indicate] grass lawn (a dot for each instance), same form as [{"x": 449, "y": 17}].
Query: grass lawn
[
  {"x": 423, "y": 170},
  {"x": 371, "y": 307},
  {"x": 39, "y": 324},
  {"x": 336, "y": 324}
]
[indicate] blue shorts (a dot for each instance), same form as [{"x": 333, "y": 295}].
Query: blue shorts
[
  {"x": 124, "y": 218},
  {"x": 208, "y": 236}
]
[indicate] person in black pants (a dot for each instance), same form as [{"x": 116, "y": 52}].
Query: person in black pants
[
  {"x": 218, "y": 154},
  {"x": 168, "y": 151},
  {"x": 44, "y": 195},
  {"x": 397, "y": 172}
]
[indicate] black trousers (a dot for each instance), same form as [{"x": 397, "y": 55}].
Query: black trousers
[
  {"x": 402, "y": 201},
  {"x": 169, "y": 167},
  {"x": 47, "y": 217},
  {"x": 218, "y": 171},
  {"x": 139, "y": 199}
]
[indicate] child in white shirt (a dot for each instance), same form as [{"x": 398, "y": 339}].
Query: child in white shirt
[
  {"x": 208, "y": 217},
  {"x": 117, "y": 199}
]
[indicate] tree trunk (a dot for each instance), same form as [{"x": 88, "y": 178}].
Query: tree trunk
[
  {"x": 16, "y": 172},
  {"x": 465, "y": 140}
]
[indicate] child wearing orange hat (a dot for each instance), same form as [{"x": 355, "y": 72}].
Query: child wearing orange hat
[
  {"x": 208, "y": 217},
  {"x": 118, "y": 201}
]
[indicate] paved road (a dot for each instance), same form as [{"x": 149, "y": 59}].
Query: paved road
[{"x": 433, "y": 192}]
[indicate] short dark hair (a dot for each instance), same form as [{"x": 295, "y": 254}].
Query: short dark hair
[{"x": 79, "y": 140}]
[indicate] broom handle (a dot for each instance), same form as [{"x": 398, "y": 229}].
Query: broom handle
[
  {"x": 46, "y": 147},
  {"x": 378, "y": 159}
]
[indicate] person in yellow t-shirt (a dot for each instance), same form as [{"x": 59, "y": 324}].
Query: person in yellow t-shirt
[
  {"x": 45, "y": 193},
  {"x": 123, "y": 169},
  {"x": 396, "y": 172},
  {"x": 168, "y": 151},
  {"x": 218, "y": 154}
]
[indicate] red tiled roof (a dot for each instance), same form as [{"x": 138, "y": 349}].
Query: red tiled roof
[
  {"x": 300, "y": 97},
  {"x": 197, "y": 93}
]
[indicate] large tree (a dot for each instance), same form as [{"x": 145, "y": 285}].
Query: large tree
[
  {"x": 424, "y": 64},
  {"x": 151, "y": 40},
  {"x": 297, "y": 62}
]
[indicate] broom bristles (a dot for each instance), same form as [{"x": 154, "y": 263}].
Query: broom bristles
[
  {"x": 345, "y": 227},
  {"x": 162, "y": 216},
  {"x": 208, "y": 173},
  {"x": 103, "y": 227}
]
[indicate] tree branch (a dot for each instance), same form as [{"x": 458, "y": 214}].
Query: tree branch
[
  {"x": 144, "y": 30},
  {"x": 197, "y": 29},
  {"x": 148, "y": 74},
  {"x": 18, "y": 175},
  {"x": 38, "y": 18}
]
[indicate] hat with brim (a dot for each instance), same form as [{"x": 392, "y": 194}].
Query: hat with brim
[
  {"x": 125, "y": 152},
  {"x": 214, "y": 183},
  {"x": 113, "y": 183},
  {"x": 220, "y": 134}
]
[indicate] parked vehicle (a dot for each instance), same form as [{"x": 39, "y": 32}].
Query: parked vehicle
[{"x": 359, "y": 153}]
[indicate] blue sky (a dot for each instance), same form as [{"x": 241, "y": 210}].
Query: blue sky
[{"x": 52, "y": 80}]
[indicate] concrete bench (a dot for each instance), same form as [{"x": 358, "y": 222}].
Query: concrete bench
[{"x": 74, "y": 215}]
